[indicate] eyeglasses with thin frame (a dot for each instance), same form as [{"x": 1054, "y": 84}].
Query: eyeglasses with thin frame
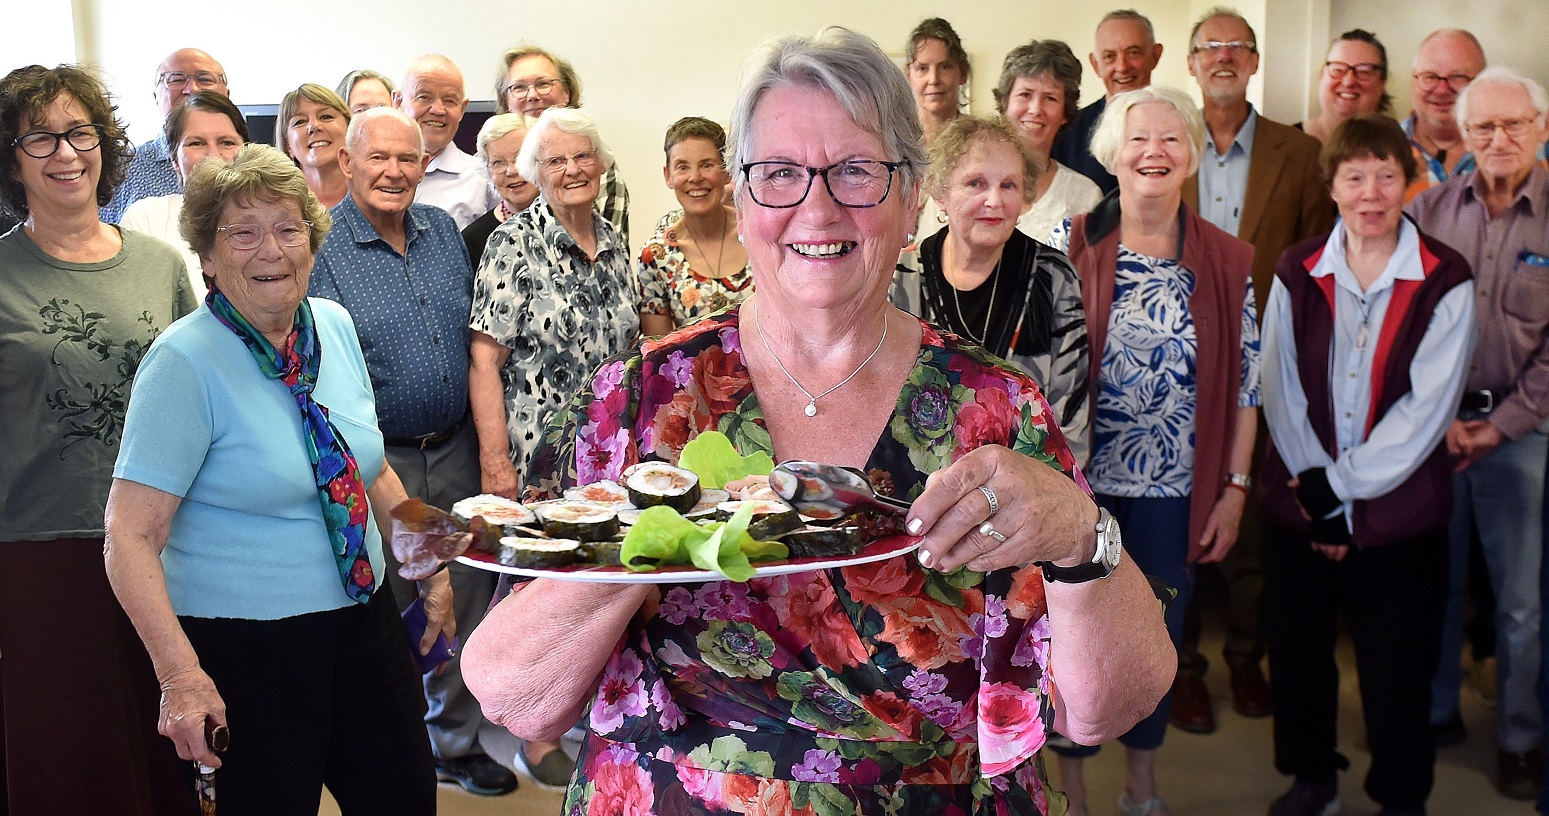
[
  {"x": 1234, "y": 47},
  {"x": 1364, "y": 71},
  {"x": 543, "y": 87},
  {"x": 204, "y": 80},
  {"x": 499, "y": 167},
  {"x": 586, "y": 160},
  {"x": 250, "y": 236},
  {"x": 858, "y": 183},
  {"x": 40, "y": 144},
  {"x": 1485, "y": 131},
  {"x": 1427, "y": 81}
]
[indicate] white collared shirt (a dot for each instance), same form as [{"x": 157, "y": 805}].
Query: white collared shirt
[{"x": 455, "y": 183}]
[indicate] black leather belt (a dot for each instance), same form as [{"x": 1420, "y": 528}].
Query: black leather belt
[
  {"x": 1480, "y": 402},
  {"x": 427, "y": 441}
]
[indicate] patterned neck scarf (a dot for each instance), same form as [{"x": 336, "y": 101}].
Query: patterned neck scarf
[{"x": 333, "y": 466}]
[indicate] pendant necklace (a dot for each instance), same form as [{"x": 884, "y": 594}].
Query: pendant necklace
[
  {"x": 812, "y": 401},
  {"x": 989, "y": 309},
  {"x": 720, "y": 254}
]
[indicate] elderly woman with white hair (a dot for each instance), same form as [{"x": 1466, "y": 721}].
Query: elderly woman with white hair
[
  {"x": 554, "y": 296},
  {"x": 916, "y": 684},
  {"x": 499, "y": 142},
  {"x": 1175, "y": 375}
]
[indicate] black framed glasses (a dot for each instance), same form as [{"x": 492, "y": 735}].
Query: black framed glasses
[
  {"x": 1427, "y": 81},
  {"x": 40, "y": 144},
  {"x": 1364, "y": 72},
  {"x": 249, "y": 236},
  {"x": 857, "y": 183}
]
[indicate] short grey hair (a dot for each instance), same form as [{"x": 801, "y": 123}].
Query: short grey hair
[
  {"x": 357, "y": 76},
  {"x": 353, "y": 136},
  {"x": 1108, "y": 135},
  {"x": 570, "y": 120},
  {"x": 1217, "y": 13},
  {"x": 497, "y": 127},
  {"x": 1131, "y": 15},
  {"x": 851, "y": 67},
  {"x": 1051, "y": 57},
  {"x": 1505, "y": 75},
  {"x": 258, "y": 173}
]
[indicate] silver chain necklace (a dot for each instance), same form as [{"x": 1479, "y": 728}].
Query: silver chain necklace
[
  {"x": 812, "y": 401},
  {"x": 989, "y": 310}
]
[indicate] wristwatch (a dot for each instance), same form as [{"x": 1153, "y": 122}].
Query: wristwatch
[
  {"x": 1240, "y": 480},
  {"x": 1110, "y": 543}
]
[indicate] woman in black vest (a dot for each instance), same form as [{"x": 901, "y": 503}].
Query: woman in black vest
[{"x": 1367, "y": 336}]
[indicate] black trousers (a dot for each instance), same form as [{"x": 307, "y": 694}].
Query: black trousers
[
  {"x": 324, "y": 699},
  {"x": 1391, "y": 599}
]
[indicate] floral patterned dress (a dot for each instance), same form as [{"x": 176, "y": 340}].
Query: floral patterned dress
[
  {"x": 669, "y": 286},
  {"x": 884, "y": 688}
]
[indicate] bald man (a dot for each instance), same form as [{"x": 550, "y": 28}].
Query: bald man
[
  {"x": 432, "y": 94},
  {"x": 183, "y": 73},
  {"x": 1446, "y": 61}
]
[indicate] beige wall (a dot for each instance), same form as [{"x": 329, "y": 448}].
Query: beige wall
[{"x": 644, "y": 64}]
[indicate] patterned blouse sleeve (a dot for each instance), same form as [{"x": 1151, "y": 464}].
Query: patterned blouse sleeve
[
  {"x": 655, "y": 283},
  {"x": 495, "y": 305},
  {"x": 1069, "y": 372},
  {"x": 1248, "y": 392}
]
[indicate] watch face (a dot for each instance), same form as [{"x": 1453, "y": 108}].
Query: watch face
[{"x": 1113, "y": 542}]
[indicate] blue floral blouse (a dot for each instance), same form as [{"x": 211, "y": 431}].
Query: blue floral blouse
[{"x": 1143, "y": 429}]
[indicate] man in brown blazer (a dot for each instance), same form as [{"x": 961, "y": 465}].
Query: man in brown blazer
[{"x": 1260, "y": 181}]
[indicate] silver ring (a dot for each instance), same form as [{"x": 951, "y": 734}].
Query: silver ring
[
  {"x": 986, "y": 529},
  {"x": 989, "y": 496}
]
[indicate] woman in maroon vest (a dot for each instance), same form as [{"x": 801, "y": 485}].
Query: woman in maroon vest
[
  {"x": 1173, "y": 329},
  {"x": 1367, "y": 336}
]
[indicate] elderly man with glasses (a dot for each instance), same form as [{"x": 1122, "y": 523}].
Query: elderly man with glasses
[
  {"x": 182, "y": 74},
  {"x": 1447, "y": 60},
  {"x": 1498, "y": 218}
]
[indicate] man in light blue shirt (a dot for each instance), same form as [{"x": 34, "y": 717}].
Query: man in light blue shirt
[
  {"x": 432, "y": 94},
  {"x": 1258, "y": 180},
  {"x": 182, "y": 74}
]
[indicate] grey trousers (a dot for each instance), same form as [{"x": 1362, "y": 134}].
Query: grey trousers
[{"x": 441, "y": 476}]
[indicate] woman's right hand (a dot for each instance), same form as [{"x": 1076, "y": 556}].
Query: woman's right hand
[{"x": 188, "y": 698}]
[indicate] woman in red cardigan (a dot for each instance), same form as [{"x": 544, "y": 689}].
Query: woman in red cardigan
[{"x": 1174, "y": 335}]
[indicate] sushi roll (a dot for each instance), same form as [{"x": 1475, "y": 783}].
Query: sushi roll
[
  {"x": 770, "y": 518},
  {"x": 657, "y": 483},
  {"x": 537, "y": 553},
  {"x": 497, "y": 511},
  {"x": 580, "y": 520},
  {"x": 822, "y": 542},
  {"x": 606, "y": 491},
  {"x": 704, "y": 509},
  {"x": 603, "y": 553}
]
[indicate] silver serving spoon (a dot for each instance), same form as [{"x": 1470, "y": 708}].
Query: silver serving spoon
[{"x": 827, "y": 492}]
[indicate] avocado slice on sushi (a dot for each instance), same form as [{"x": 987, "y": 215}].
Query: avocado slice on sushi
[
  {"x": 537, "y": 553},
  {"x": 657, "y": 483},
  {"x": 583, "y": 521}
]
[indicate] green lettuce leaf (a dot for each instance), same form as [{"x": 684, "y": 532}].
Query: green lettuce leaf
[
  {"x": 712, "y": 457},
  {"x": 662, "y": 536}
]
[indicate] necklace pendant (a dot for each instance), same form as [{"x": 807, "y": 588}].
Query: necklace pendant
[{"x": 812, "y": 408}]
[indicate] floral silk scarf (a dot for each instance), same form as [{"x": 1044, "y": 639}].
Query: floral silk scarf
[{"x": 333, "y": 466}]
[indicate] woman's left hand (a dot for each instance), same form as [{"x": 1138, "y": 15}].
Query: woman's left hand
[
  {"x": 1221, "y": 529},
  {"x": 1041, "y": 515},
  {"x": 437, "y": 594}
]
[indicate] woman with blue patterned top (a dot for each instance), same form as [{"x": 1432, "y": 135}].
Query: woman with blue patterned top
[{"x": 1175, "y": 372}]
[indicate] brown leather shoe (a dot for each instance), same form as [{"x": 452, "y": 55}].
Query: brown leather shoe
[
  {"x": 1250, "y": 691},
  {"x": 1191, "y": 705}
]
